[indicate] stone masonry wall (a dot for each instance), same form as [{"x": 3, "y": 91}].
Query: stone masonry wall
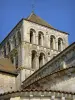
[{"x": 7, "y": 83}]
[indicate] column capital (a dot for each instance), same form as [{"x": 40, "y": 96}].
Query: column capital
[{"x": 37, "y": 55}]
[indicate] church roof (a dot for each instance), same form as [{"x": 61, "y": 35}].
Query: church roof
[
  {"x": 36, "y": 19},
  {"x": 6, "y": 66},
  {"x": 50, "y": 77},
  {"x": 37, "y": 73}
]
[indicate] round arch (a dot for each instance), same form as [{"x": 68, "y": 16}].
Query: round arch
[
  {"x": 31, "y": 27},
  {"x": 8, "y": 46},
  {"x": 41, "y": 59},
  {"x": 33, "y": 59},
  {"x": 60, "y": 44},
  {"x": 52, "y": 41},
  {"x": 32, "y": 35},
  {"x": 19, "y": 36},
  {"x": 40, "y": 38}
]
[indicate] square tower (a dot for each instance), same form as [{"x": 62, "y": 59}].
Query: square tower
[{"x": 31, "y": 44}]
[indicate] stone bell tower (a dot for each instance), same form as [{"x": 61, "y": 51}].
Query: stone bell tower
[{"x": 31, "y": 44}]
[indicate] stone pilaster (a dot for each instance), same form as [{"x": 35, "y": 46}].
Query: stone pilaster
[
  {"x": 22, "y": 55},
  {"x": 56, "y": 45},
  {"x": 36, "y": 38}
]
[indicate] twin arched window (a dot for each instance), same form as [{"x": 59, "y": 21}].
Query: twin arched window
[
  {"x": 53, "y": 44},
  {"x": 40, "y": 37},
  {"x": 7, "y": 48},
  {"x": 34, "y": 58},
  {"x": 17, "y": 39}
]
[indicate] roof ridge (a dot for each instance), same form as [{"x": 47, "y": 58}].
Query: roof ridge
[{"x": 31, "y": 14}]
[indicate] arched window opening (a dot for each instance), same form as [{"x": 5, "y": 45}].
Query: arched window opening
[
  {"x": 32, "y": 36},
  {"x": 19, "y": 37},
  {"x": 16, "y": 61},
  {"x": 52, "y": 42},
  {"x": 14, "y": 41},
  {"x": 41, "y": 59},
  {"x": 4, "y": 51},
  {"x": 33, "y": 59},
  {"x": 40, "y": 38},
  {"x": 60, "y": 44},
  {"x": 8, "y": 47}
]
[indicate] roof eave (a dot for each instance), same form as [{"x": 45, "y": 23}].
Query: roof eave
[{"x": 8, "y": 72}]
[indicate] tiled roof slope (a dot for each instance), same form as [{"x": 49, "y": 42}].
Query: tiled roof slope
[
  {"x": 6, "y": 66},
  {"x": 36, "y": 19},
  {"x": 35, "y": 90},
  {"x": 51, "y": 61},
  {"x": 50, "y": 77}
]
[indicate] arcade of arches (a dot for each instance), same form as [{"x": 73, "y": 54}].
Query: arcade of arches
[{"x": 41, "y": 40}]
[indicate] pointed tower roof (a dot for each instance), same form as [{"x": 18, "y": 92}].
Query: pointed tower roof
[{"x": 36, "y": 19}]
